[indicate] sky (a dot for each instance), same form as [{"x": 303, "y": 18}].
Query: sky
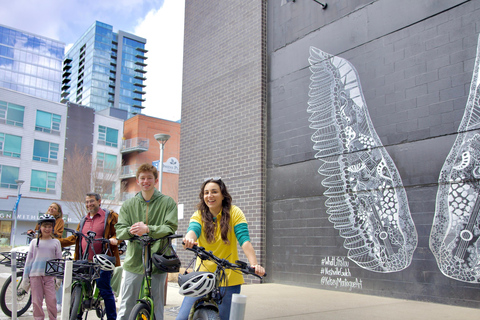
[{"x": 161, "y": 22}]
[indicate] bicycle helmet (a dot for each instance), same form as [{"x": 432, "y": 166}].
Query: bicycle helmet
[
  {"x": 106, "y": 262},
  {"x": 166, "y": 263},
  {"x": 196, "y": 284},
  {"x": 46, "y": 218}
]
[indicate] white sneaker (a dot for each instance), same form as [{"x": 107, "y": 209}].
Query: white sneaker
[{"x": 59, "y": 308}]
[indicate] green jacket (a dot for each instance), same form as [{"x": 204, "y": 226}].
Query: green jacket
[{"x": 162, "y": 221}]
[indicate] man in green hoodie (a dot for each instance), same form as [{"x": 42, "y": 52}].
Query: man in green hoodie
[{"x": 149, "y": 212}]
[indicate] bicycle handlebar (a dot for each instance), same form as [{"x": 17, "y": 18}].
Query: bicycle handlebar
[
  {"x": 238, "y": 265},
  {"x": 146, "y": 239},
  {"x": 90, "y": 238}
]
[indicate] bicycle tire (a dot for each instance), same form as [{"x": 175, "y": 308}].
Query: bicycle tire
[
  {"x": 206, "y": 314},
  {"x": 140, "y": 312},
  {"x": 76, "y": 300},
  {"x": 24, "y": 299}
]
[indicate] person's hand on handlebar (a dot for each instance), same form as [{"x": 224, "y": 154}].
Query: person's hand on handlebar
[
  {"x": 189, "y": 243},
  {"x": 259, "y": 270},
  {"x": 139, "y": 229}
]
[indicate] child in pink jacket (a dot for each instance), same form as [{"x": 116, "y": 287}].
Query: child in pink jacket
[{"x": 42, "y": 249}]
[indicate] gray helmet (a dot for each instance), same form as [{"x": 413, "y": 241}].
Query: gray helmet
[
  {"x": 106, "y": 262},
  {"x": 196, "y": 284}
]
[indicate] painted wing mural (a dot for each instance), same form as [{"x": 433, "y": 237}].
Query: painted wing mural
[
  {"x": 366, "y": 202},
  {"x": 454, "y": 239}
]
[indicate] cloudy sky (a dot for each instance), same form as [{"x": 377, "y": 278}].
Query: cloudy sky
[{"x": 158, "y": 21}]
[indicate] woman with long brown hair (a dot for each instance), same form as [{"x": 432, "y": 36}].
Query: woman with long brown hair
[
  {"x": 55, "y": 210},
  {"x": 217, "y": 226}
]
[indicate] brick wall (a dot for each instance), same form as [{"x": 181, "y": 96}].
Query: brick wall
[
  {"x": 223, "y": 108},
  {"x": 415, "y": 61}
]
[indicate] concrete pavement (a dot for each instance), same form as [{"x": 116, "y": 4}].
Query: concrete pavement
[{"x": 277, "y": 301}]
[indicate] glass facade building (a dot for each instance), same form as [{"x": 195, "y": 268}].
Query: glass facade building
[
  {"x": 30, "y": 63},
  {"x": 105, "y": 69}
]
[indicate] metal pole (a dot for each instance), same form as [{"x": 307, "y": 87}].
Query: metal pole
[
  {"x": 15, "y": 210},
  {"x": 67, "y": 289},
  {"x": 239, "y": 303},
  {"x": 161, "y": 168},
  {"x": 13, "y": 258},
  {"x": 162, "y": 139}
]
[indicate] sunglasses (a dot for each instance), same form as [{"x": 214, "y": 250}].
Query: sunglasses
[{"x": 213, "y": 179}]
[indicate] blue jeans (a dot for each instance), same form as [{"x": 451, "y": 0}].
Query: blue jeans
[
  {"x": 103, "y": 284},
  {"x": 224, "y": 308}
]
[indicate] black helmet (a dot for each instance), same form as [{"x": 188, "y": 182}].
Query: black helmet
[
  {"x": 46, "y": 218},
  {"x": 167, "y": 263}
]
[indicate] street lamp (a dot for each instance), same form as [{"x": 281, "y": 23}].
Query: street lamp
[
  {"x": 15, "y": 210},
  {"x": 162, "y": 139}
]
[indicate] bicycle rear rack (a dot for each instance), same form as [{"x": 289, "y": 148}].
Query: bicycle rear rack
[
  {"x": 82, "y": 270},
  {"x": 6, "y": 259}
]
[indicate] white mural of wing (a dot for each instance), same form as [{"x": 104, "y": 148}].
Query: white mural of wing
[
  {"x": 454, "y": 239},
  {"x": 366, "y": 202}
]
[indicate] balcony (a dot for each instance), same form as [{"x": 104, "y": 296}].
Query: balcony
[
  {"x": 135, "y": 144},
  {"x": 129, "y": 171}
]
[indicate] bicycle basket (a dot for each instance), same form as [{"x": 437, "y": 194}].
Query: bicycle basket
[
  {"x": 82, "y": 270},
  {"x": 6, "y": 259}
]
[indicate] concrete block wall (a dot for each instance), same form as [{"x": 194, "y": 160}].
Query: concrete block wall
[
  {"x": 415, "y": 61},
  {"x": 224, "y": 108}
]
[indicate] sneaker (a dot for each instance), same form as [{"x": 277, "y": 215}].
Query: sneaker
[{"x": 59, "y": 308}]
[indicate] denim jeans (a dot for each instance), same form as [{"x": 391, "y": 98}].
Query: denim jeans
[
  {"x": 224, "y": 308},
  {"x": 103, "y": 284}
]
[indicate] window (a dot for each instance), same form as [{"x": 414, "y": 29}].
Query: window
[
  {"x": 43, "y": 181},
  {"x": 48, "y": 122},
  {"x": 108, "y": 136},
  {"x": 10, "y": 145},
  {"x": 11, "y": 114},
  {"x": 106, "y": 161},
  {"x": 8, "y": 175},
  {"x": 105, "y": 188},
  {"x": 44, "y": 151}
]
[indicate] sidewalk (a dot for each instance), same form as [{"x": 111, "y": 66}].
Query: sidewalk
[{"x": 277, "y": 301}]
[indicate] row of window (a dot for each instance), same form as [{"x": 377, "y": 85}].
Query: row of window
[
  {"x": 43, "y": 151},
  {"x": 13, "y": 114},
  {"x": 41, "y": 181},
  {"x": 44, "y": 181}
]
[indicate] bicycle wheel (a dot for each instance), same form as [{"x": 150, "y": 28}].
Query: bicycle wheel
[
  {"x": 140, "y": 312},
  {"x": 206, "y": 314},
  {"x": 76, "y": 301},
  {"x": 24, "y": 300}
]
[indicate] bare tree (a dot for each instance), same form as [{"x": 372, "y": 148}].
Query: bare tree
[{"x": 83, "y": 173}]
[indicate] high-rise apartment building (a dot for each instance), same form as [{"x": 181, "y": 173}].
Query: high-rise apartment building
[
  {"x": 53, "y": 148},
  {"x": 105, "y": 69},
  {"x": 31, "y": 63}
]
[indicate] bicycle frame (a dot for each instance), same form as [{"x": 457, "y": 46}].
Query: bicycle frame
[
  {"x": 145, "y": 295},
  {"x": 90, "y": 297},
  {"x": 215, "y": 296}
]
